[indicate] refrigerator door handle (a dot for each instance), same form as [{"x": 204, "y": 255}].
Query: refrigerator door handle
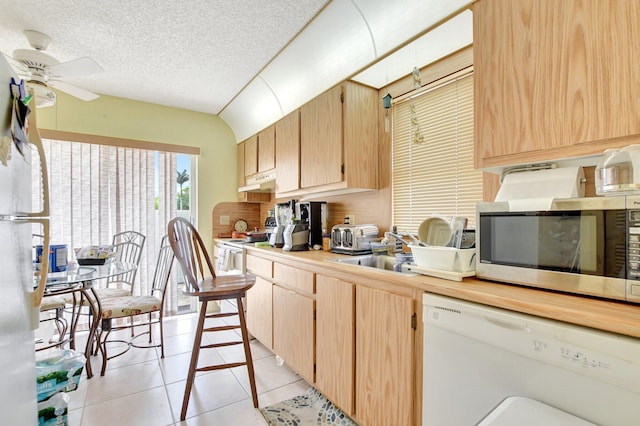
[
  {"x": 36, "y": 296},
  {"x": 34, "y": 138}
]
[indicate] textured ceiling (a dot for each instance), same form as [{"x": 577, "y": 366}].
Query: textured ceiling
[{"x": 195, "y": 55}]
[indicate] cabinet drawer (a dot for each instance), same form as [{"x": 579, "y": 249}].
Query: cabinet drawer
[
  {"x": 294, "y": 278},
  {"x": 259, "y": 266}
]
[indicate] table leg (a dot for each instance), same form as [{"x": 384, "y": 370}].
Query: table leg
[
  {"x": 75, "y": 315},
  {"x": 96, "y": 315}
]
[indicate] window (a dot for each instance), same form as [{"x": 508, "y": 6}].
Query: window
[
  {"x": 99, "y": 190},
  {"x": 437, "y": 176}
]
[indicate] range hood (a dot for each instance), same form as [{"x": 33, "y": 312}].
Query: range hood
[{"x": 261, "y": 182}]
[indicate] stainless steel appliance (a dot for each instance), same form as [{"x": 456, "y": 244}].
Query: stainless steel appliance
[
  {"x": 353, "y": 239},
  {"x": 21, "y": 302},
  {"x": 284, "y": 214},
  {"x": 588, "y": 246},
  {"x": 478, "y": 359},
  {"x": 314, "y": 214},
  {"x": 296, "y": 236}
]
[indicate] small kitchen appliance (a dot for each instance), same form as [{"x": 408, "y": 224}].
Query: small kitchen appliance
[
  {"x": 270, "y": 224},
  {"x": 314, "y": 214},
  {"x": 296, "y": 236},
  {"x": 283, "y": 216},
  {"x": 353, "y": 239},
  {"x": 618, "y": 172},
  {"x": 587, "y": 246}
]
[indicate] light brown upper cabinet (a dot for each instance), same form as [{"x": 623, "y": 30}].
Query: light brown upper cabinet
[
  {"x": 249, "y": 147},
  {"x": 267, "y": 149},
  {"x": 251, "y": 156},
  {"x": 554, "y": 78},
  {"x": 288, "y": 153},
  {"x": 339, "y": 140}
]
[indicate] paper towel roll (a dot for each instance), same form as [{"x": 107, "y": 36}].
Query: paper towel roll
[{"x": 536, "y": 190}]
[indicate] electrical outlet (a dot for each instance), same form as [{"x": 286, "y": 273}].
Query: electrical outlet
[
  {"x": 350, "y": 219},
  {"x": 224, "y": 220}
]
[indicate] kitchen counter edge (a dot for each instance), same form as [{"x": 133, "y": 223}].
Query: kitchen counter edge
[{"x": 617, "y": 317}]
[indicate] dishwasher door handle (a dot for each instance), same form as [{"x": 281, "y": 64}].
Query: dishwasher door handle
[{"x": 510, "y": 325}]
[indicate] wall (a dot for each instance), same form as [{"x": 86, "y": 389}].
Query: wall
[{"x": 123, "y": 118}]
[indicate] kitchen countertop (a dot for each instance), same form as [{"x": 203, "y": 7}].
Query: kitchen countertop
[{"x": 616, "y": 317}]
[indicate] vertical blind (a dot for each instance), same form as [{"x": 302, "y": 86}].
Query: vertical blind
[
  {"x": 437, "y": 176},
  {"x": 97, "y": 191}
]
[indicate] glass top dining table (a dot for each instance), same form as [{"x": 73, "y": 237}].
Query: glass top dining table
[
  {"x": 80, "y": 281},
  {"x": 85, "y": 274}
]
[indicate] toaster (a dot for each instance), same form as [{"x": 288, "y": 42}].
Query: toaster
[{"x": 353, "y": 239}]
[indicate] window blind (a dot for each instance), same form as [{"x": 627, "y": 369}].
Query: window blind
[
  {"x": 97, "y": 191},
  {"x": 437, "y": 176}
]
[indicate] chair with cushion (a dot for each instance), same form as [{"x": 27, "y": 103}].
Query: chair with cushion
[
  {"x": 128, "y": 246},
  {"x": 141, "y": 311},
  {"x": 54, "y": 307},
  {"x": 202, "y": 282}
]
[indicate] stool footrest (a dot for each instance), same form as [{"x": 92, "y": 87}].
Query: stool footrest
[
  {"x": 221, "y": 366},
  {"x": 220, "y": 345},
  {"x": 222, "y": 315},
  {"x": 221, "y": 328}
]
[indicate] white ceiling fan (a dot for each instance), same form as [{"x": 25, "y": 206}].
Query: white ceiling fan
[{"x": 42, "y": 71}]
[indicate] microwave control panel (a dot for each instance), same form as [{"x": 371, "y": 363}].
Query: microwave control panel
[{"x": 633, "y": 245}]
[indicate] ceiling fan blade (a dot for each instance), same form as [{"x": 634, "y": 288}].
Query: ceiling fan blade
[
  {"x": 21, "y": 69},
  {"x": 72, "y": 90},
  {"x": 75, "y": 68}
]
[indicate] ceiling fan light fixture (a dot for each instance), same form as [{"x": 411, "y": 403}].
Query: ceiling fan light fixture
[{"x": 42, "y": 94}]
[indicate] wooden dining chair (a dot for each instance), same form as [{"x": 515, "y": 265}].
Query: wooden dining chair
[
  {"x": 141, "y": 311},
  {"x": 202, "y": 282}
]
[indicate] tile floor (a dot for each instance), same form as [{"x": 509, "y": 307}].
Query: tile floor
[{"x": 140, "y": 388}]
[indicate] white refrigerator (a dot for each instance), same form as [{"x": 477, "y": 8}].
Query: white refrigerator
[{"x": 20, "y": 294}]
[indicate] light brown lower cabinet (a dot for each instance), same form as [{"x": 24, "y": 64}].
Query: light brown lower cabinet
[
  {"x": 260, "y": 312},
  {"x": 293, "y": 330},
  {"x": 384, "y": 358},
  {"x": 335, "y": 340}
]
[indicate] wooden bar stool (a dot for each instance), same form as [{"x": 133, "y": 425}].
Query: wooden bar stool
[{"x": 194, "y": 260}]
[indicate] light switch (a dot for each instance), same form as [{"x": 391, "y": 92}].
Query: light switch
[{"x": 224, "y": 220}]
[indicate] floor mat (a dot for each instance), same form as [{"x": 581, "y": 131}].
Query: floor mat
[{"x": 310, "y": 408}]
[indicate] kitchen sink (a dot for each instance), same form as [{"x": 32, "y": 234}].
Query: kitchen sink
[{"x": 381, "y": 262}]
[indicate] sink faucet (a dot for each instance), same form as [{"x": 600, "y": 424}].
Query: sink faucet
[{"x": 400, "y": 238}]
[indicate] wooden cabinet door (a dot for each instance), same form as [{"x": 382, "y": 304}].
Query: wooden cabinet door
[
  {"x": 260, "y": 312},
  {"x": 241, "y": 180},
  {"x": 335, "y": 339},
  {"x": 321, "y": 138},
  {"x": 384, "y": 358},
  {"x": 267, "y": 149},
  {"x": 288, "y": 153},
  {"x": 550, "y": 75},
  {"x": 251, "y": 156},
  {"x": 293, "y": 330}
]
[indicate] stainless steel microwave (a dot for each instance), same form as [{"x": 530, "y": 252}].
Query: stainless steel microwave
[{"x": 588, "y": 246}]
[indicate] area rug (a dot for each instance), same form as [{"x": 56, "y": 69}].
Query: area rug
[{"x": 310, "y": 408}]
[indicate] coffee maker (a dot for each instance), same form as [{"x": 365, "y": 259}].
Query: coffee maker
[
  {"x": 314, "y": 214},
  {"x": 296, "y": 236},
  {"x": 283, "y": 216}
]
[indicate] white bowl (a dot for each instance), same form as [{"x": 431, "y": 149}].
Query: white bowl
[
  {"x": 435, "y": 231},
  {"x": 445, "y": 258}
]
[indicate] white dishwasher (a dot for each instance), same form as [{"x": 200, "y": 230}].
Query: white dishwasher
[{"x": 483, "y": 365}]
